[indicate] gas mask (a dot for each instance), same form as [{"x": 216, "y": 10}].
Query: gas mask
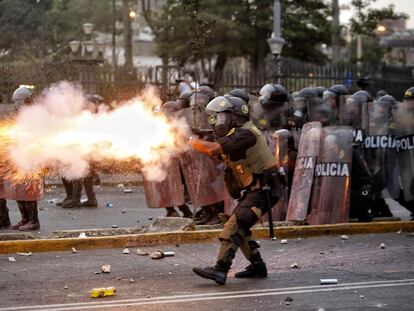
[{"x": 222, "y": 123}]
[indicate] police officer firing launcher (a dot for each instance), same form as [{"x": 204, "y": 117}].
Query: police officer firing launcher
[{"x": 251, "y": 169}]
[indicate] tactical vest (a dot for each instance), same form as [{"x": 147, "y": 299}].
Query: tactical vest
[{"x": 258, "y": 158}]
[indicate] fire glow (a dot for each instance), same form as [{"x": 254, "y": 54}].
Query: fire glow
[{"x": 59, "y": 133}]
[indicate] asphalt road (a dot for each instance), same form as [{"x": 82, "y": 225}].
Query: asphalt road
[
  {"x": 369, "y": 278},
  {"x": 128, "y": 210}
]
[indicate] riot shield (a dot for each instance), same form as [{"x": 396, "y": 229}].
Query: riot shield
[
  {"x": 331, "y": 186},
  {"x": 30, "y": 189},
  {"x": 281, "y": 152},
  {"x": 379, "y": 150},
  {"x": 204, "y": 178},
  {"x": 353, "y": 111},
  {"x": 166, "y": 193},
  {"x": 304, "y": 171},
  {"x": 404, "y": 144}
]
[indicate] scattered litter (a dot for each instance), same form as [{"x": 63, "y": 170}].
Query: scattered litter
[
  {"x": 123, "y": 211},
  {"x": 74, "y": 250},
  {"x": 361, "y": 296},
  {"x": 12, "y": 259},
  {"x": 283, "y": 242},
  {"x": 125, "y": 251},
  {"x": 97, "y": 272},
  {"x": 322, "y": 253},
  {"x": 355, "y": 292},
  {"x": 169, "y": 254},
  {"x": 329, "y": 281},
  {"x": 382, "y": 245},
  {"x": 106, "y": 268},
  {"x": 150, "y": 218},
  {"x": 120, "y": 186},
  {"x": 273, "y": 239},
  {"x": 102, "y": 292},
  {"x": 127, "y": 190},
  {"x": 82, "y": 235},
  {"x": 131, "y": 280},
  {"x": 66, "y": 287},
  {"x": 157, "y": 255},
  {"x": 344, "y": 237},
  {"x": 142, "y": 252},
  {"x": 25, "y": 254},
  {"x": 148, "y": 296},
  {"x": 321, "y": 309},
  {"x": 399, "y": 232},
  {"x": 109, "y": 205},
  {"x": 52, "y": 201},
  {"x": 294, "y": 266},
  {"x": 170, "y": 273},
  {"x": 114, "y": 226},
  {"x": 288, "y": 299}
]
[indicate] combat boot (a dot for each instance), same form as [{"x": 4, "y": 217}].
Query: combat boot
[
  {"x": 171, "y": 212},
  {"x": 186, "y": 211},
  {"x": 216, "y": 210},
  {"x": 257, "y": 268},
  {"x": 90, "y": 193},
  {"x": 4, "y": 215},
  {"x": 33, "y": 223},
  {"x": 67, "y": 184},
  {"x": 206, "y": 216},
  {"x": 216, "y": 274},
  {"x": 74, "y": 201},
  {"x": 25, "y": 216}
]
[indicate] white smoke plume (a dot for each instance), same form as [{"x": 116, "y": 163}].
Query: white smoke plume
[{"x": 59, "y": 132}]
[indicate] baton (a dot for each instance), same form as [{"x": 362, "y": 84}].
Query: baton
[{"x": 266, "y": 188}]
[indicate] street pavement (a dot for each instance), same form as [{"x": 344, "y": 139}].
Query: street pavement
[
  {"x": 128, "y": 210},
  {"x": 369, "y": 277}
]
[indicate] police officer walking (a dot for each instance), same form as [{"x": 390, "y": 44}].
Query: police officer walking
[{"x": 250, "y": 167}]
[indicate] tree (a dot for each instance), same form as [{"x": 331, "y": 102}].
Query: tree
[
  {"x": 237, "y": 28},
  {"x": 364, "y": 23}
]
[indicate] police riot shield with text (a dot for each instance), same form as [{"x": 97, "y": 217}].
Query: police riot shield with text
[
  {"x": 332, "y": 184},
  {"x": 353, "y": 112},
  {"x": 379, "y": 150},
  {"x": 304, "y": 172},
  {"x": 168, "y": 192},
  {"x": 404, "y": 145}
]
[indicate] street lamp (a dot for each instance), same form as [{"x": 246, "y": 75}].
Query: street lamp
[
  {"x": 86, "y": 51},
  {"x": 276, "y": 41}
]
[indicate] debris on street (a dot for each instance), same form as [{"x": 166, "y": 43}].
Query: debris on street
[
  {"x": 142, "y": 252},
  {"x": 157, "y": 255},
  {"x": 382, "y": 245},
  {"x": 82, "y": 235},
  {"x": 125, "y": 251},
  {"x": 294, "y": 266},
  {"x": 344, "y": 237},
  {"x": 329, "y": 281},
  {"x": 283, "y": 242},
  {"x": 74, "y": 250},
  {"x": 25, "y": 254},
  {"x": 106, "y": 268},
  {"x": 12, "y": 259},
  {"x": 127, "y": 191},
  {"x": 102, "y": 292}
]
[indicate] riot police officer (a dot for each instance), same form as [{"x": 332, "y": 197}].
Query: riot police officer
[
  {"x": 28, "y": 191},
  {"x": 332, "y": 99},
  {"x": 250, "y": 167}
]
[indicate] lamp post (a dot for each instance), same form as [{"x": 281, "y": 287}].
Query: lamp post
[
  {"x": 276, "y": 41},
  {"x": 87, "y": 50}
]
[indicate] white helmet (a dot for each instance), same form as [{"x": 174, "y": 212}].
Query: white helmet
[{"x": 21, "y": 95}]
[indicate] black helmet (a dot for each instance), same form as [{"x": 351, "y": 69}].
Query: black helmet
[
  {"x": 240, "y": 93},
  {"x": 307, "y": 92},
  {"x": 228, "y": 103},
  {"x": 365, "y": 95},
  {"x": 339, "y": 89},
  {"x": 206, "y": 90},
  {"x": 319, "y": 90},
  {"x": 409, "y": 94},
  {"x": 272, "y": 95},
  {"x": 387, "y": 100}
]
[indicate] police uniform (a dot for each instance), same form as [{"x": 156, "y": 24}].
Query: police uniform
[{"x": 250, "y": 166}]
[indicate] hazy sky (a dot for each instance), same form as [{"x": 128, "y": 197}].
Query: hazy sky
[{"x": 406, "y": 6}]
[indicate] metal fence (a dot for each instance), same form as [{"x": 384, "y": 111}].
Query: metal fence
[{"x": 119, "y": 84}]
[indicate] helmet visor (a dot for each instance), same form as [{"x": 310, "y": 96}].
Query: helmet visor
[{"x": 218, "y": 104}]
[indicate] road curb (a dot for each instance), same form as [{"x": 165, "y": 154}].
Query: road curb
[{"x": 199, "y": 236}]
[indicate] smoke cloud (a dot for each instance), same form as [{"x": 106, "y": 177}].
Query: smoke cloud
[{"x": 59, "y": 132}]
